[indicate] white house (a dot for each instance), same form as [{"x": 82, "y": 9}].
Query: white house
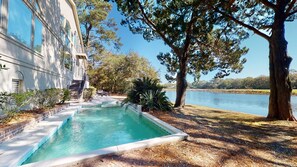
[{"x": 40, "y": 45}]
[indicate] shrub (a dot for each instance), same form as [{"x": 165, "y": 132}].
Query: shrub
[
  {"x": 39, "y": 99},
  {"x": 89, "y": 93},
  {"x": 52, "y": 96},
  {"x": 11, "y": 104},
  {"x": 47, "y": 98},
  {"x": 22, "y": 99},
  {"x": 140, "y": 86},
  {"x": 6, "y": 102},
  {"x": 66, "y": 95},
  {"x": 3, "y": 99},
  {"x": 148, "y": 92}
]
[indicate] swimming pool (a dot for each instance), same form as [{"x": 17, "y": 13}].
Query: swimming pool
[{"x": 98, "y": 128}]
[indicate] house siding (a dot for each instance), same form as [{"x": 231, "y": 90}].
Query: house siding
[{"x": 45, "y": 69}]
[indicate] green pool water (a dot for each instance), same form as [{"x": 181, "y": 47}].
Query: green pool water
[{"x": 93, "y": 129}]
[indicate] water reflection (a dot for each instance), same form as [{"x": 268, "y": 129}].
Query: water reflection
[{"x": 247, "y": 103}]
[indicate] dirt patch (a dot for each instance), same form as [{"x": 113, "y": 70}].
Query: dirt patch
[{"x": 217, "y": 138}]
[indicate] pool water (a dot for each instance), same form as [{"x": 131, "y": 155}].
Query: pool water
[{"x": 96, "y": 128}]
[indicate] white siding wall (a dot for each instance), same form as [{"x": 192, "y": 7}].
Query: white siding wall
[{"x": 44, "y": 70}]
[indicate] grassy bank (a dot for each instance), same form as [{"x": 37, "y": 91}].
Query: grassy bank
[
  {"x": 217, "y": 138},
  {"x": 239, "y": 91}
]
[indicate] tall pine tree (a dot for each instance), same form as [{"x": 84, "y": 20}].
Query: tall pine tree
[{"x": 267, "y": 18}]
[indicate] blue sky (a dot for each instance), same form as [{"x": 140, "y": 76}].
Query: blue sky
[{"x": 257, "y": 58}]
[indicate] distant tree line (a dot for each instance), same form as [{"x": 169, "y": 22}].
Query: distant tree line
[{"x": 261, "y": 82}]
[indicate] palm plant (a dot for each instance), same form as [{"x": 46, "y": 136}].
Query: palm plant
[{"x": 148, "y": 93}]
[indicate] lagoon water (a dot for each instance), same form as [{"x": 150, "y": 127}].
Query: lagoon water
[{"x": 246, "y": 103}]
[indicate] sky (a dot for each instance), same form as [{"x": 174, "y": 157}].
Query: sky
[{"x": 257, "y": 58}]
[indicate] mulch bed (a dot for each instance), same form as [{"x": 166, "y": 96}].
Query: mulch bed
[
  {"x": 217, "y": 138},
  {"x": 24, "y": 116}
]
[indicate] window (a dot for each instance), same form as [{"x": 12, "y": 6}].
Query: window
[
  {"x": 16, "y": 85},
  {"x": 68, "y": 61},
  {"x": 74, "y": 39},
  {"x": 37, "y": 35},
  {"x": 61, "y": 54},
  {"x": 19, "y": 21},
  {"x": 37, "y": 7},
  {"x": 67, "y": 28},
  {"x": 77, "y": 62},
  {"x": 65, "y": 32},
  {"x": 62, "y": 22},
  {"x": 0, "y": 7}
]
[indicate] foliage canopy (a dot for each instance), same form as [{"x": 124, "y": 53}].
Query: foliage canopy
[
  {"x": 198, "y": 41},
  {"x": 98, "y": 31},
  {"x": 266, "y": 18},
  {"x": 115, "y": 73}
]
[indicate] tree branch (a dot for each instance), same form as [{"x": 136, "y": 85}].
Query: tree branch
[
  {"x": 291, "y": 5},
  {"x": 188, "y": 32},
  {"x": 291, "y": 13},
  {"x": 154, "y": 27},
  {"x": 268, "y": 4},
  {"x": 255, "y": 30}
]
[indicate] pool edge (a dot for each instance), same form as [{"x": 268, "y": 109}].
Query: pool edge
[
  {"x": 113, "y": 150},
  {"x": 176, "y": 135}
]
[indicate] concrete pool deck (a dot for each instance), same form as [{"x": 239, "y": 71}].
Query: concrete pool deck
[
  {"x": 14, "y": 150},
  {"x": 18, "y": 149}
]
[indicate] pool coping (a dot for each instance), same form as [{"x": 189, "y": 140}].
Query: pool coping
[
  {"x": 17, "y": 149},
  {"x": 27, "y": 146}
]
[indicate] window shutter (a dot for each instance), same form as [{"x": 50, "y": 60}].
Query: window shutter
[{"x": 15, "y": 86}]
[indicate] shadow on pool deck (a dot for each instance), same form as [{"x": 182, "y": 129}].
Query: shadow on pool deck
[{"x": 217, "y": 138}]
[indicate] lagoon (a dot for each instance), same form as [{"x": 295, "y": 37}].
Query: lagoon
[{"x": 247, "y": 103}]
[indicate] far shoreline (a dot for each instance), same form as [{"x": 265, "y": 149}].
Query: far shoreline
[{"x": 235, "y": 91}]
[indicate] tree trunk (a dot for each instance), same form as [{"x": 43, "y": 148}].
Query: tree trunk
[
  {"x": 181, "y": 85},
  {"x": 279, "y": 63}
]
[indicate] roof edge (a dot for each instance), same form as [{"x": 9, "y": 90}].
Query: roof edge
[{"x": 74, "y": 10}]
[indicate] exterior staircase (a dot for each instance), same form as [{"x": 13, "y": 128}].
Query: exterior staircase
[{"x": 76, "y": 89}]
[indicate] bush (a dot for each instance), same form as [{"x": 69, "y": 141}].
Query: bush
[
  {"x": 6, "y": 104},
  {"x": 66, "y": 95},
  {"x": 148, "y": 92},
  {"x": 47, "y": 98},
  {"x": 3, "y": 99},
  {"x": 22, "y": 99},
  {"x": 52, "y": 97},
  {"x": 141, "y": 86},
  {"x": 11, "y": 104},
  {"x": 89, "y": 93}
]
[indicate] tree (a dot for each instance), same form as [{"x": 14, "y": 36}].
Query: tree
[
  {"x": 267, "y": 18},
  {"x": 115, "y": 73},
  {"x": 188, "y": 29},
  {"x": 97, "y": 30}
]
